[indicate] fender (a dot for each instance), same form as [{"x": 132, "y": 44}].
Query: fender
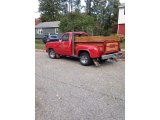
[
  {"x": 93, "y": 51},
  {"x": 52, "y": 45},
  {"x": 49, "y": 46}
]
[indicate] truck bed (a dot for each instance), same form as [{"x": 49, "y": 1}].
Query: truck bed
[
  {"x": 109, "y": 44},
  {"x": 97, "y": 38}
]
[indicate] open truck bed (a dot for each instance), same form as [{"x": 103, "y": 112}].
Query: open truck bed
[{"x": 109, "y": 44}]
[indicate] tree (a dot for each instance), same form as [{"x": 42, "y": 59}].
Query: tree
[
  {"x": 77, "y": 5},
  {"x": 64, "y": 7},
  {"x": 70, "y": 6},
  {"x": 103, "y": 13},
  {"x": 106, "y": 15},
  {"x": 49, "y": 9},
  {"x": 77, "y": 22},
  {"x": 88, "y": 6}
]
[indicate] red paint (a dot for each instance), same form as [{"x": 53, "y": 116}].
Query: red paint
[
  {"x": 95, "y": 49},
  {"x": 121, "y": 29}
]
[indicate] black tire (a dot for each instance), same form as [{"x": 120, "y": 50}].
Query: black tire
[
  {"x": 51, "y": 54},
  {"x": 85, "y": 59}
]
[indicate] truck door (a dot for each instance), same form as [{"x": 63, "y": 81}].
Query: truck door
[{"x": 65, "y": 45}]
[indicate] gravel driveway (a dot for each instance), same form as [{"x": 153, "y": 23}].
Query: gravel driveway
[{"x": 66, "y": 90}]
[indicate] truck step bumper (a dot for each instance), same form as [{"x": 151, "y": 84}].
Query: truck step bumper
[{"x": 112, "y": 56}]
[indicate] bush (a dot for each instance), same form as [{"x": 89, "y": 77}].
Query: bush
[
  {"x": 77, "y": 22},
  {"x": 122, "y": 39}
]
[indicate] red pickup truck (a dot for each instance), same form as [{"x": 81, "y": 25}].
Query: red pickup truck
[{"x": 86, "y": 51}]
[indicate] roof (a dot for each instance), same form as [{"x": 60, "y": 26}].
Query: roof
[
  {"x": 37, "y": 21},
  {"x": 122, "y": 5},
  {"x": 48, "y": 24}
]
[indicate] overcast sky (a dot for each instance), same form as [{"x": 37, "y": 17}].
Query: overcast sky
[{"x": 36, "y": 3}]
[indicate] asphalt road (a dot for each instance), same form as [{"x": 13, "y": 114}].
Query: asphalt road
[{"x": 66, "y": 90}]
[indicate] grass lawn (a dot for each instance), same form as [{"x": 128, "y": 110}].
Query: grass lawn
[
  {"x": 39, "y": 44},
  {"x": 122, "y": 45}
]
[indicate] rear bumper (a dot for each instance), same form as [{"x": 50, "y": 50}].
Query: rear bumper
[{"x": 109, "y": 56}]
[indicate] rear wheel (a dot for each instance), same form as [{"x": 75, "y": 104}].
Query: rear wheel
[
  {"x": 85, "y": 59},
  {"x": 52, "y": 54}
]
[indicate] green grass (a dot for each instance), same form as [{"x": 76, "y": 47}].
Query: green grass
[
  {"x": 122, "y": 45},
  {"x": 39, "y": 44}
]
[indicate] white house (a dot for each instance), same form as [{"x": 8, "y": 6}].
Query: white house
[{"x": 121, "y": 19}]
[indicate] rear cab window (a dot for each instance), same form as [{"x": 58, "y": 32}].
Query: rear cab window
[{"x": 80, "y": 35}]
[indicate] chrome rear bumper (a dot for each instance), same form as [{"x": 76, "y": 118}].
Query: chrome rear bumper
[{"x": 110, "y": 56}]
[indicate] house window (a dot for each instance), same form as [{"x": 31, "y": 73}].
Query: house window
[
  {"x": 39, "y": 31},
  {"x": 56, "y": 31}
]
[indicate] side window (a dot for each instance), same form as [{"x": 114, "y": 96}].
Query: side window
[{"x": 65, "y": 37}]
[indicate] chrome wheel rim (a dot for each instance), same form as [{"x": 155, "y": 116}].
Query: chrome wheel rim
[
  {"x": 52, "y": 54},
  {"x": 84, "y": 59}
]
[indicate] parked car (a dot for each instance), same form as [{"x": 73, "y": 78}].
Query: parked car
[
  {"x": 50, "y": 38},
  {"x": 86, "y": 51}
]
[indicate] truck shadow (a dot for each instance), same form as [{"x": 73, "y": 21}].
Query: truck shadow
[
  {"x": 107, "y": 63},
  {"x": 76, "y": 60},
  {"x": 70, "y": 58}
]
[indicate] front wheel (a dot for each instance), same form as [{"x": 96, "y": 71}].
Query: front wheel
[
  {"x": 85, "y": 59},
  {"x": 52, "y": 54}
]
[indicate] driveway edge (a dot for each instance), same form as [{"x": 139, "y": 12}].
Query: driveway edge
[{"x": 39, "y": 50}]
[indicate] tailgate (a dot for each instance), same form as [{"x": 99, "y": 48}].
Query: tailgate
[{"x": 111, "y": 47}]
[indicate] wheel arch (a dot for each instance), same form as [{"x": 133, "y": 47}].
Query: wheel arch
[
  {"x": 50, "y": 49},
  {"x": 83, "y": 51}
]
